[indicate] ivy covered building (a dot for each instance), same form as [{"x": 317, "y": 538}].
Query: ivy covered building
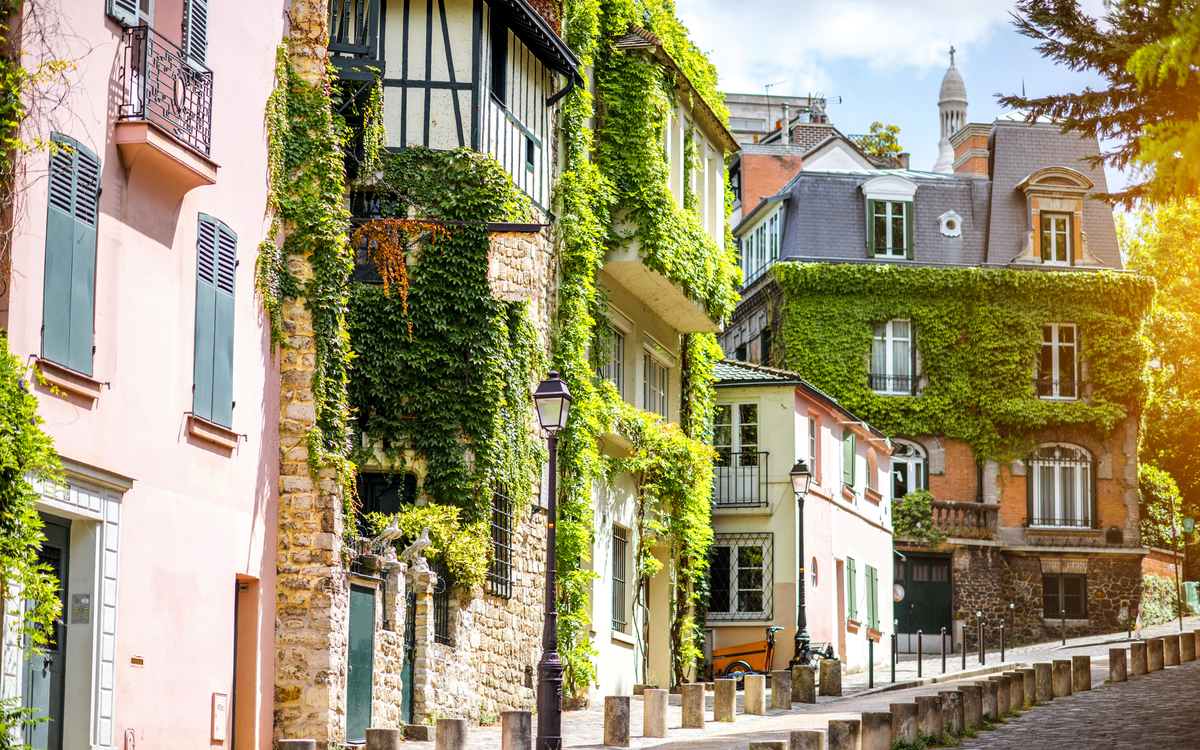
[{"x": 981, "y": 319}]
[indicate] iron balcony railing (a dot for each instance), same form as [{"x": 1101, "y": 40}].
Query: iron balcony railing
[
  {"x": 891, "y": 383},
  {"x": 1066, "y": 523},
  {"x": 1064, "y": 389},
  {"x": 162, "y": 85},
  {"x": 739, "y": 479}
]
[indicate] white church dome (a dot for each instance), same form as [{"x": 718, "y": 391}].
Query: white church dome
[{"x": 953, "y": 88}]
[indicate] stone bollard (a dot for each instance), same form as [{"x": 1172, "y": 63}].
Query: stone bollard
[
  {"x": 804, "y": 684},
  {"x": 1062, "y": 677},
  {"x": 390, "y": 739},
  {"x": 972, "y": 703},
  {"x": 654, "y": 713},
  {"x": 808, "y": 739},
  {"x": 297, "y": 745},
  {"x": 1187, "y": 647},
  {"x": 1017, "y": 702},
  {"x": 516, "y": 730},
  {"x": 1043, "y": 682},
  {"x": 1170, "y": 650},
  {"x": 754, "y": 702},
  {"x": 452, "y": 733},
  {"x": 1139, "y": 662},
  {"x": 781, "y": 689},
  {"x": 724, "y": 700},
  {"x": 1081, "y": 673},
  {"x": 692, "y": 697},
  {"x": 831, "y": 677},
  {"x": 952, "y": 712},
  {"x": 1117, "y": 671},
  {"x": 876, "y": 731},
  {"x": 990, "y": 698},
  {"x": 929, "y": 716},
  {"x": 1003, "y": 693},
  {"x": 904, "y": 722},
  {"x": 769, "y": 745},
  {"x": 616, "y": 721},
  {"x": 1154, "y": 654},
  {"x": 844, "y": 734},
  {"x": 1030, "y": 676}
]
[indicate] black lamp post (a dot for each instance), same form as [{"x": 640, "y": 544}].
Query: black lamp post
[
  {"x": 553, "y": 400},
  {"x": 801, "y": 477}
]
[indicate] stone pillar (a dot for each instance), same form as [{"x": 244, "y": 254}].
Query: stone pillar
[
  {"x": 1154, "y": 654},
  {"x": 781, "y": 689},
  {"x": 807, "y": 739},
  {"x": 654, "y": 714},
  {"x": 876, "y": 731},
  {"x": 1170, "y": 650},
  {"x": 724, "y": 700},
  {"x": 844, "y": 734},
  {"x": 1043, "y": 682},
  {"x": 1081, "y": 673},
  {"x": 769, "y": 745},
  {"x": 1117, "y": 671},
  {"x": 1062, "y": 677},
  {"x": 384, "y": 739},
  {"x": 831, "y": 677},
  {"x": 972, "y": 703},
  {"x": 929, "y": 716},
  {"x": 1017, "y": 702},
  {"x": 1030, "y": 687},
  {"x": 516, "y": 730},
  {"x": 804, "y": 684},
  {"x": 952, "y": 711},
  {"x": 904, "y": 722},
  {"x": 422, "y": 583},
  {"x": 1003, "y": 693},
  {"x": 616, "y": 721},
  {"x": 692, "y": 695},
  {"x": 1187, "y": 647},
  {"x": 1138, "y": 661},
  {"x": 451, "y": 734},
  {"x": 990, "y": 698},
  {"x": 754, "y": 701}
]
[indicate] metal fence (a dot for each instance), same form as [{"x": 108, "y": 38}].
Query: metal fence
[
  {"x": 891, "y": 383},
  {"x": 441, "y": 603},
  {"x": 1065, "y": 389},
  {"x": 739, "y": 479},
  {"x": 162, "y": 85},
  {"x": 620, "y": 551},
  {"x": 500, "y": 571}
]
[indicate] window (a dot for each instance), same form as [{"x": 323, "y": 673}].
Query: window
[
  {"x": 813, "y": 453},
  {"x": 499, "y": 83},
  {"x": 529, "y": 152},
  {"x": 890, "y": 232},
  {"x": 620, "y": 556},
  {"x": 760, "y": 247},
  {"x": 68, "y": 294},
  {"x": 500, "y": 570},
  {"x": 741, "y": 577},
  {"x": 1058, "y": 366},
  {"x": 739, "y": 470},
  {"x": 1056, "y": 238},
  {"x": 1064, "y": 596},
  {"x": 851, "y": 589},
  {"x": 212, "y": 373},
  {"x": 380, "y": 492},
  {"x": 848, "y": 458},
  {"x": 872, "y": 598},
  {"x": 611, "y": 353},
  {"x": 441, "y": 603},
  {"x": 1059, "y": 482},
  {"x": 893, "y": 358},
  {"x": 654, "y": 385},
  {"x": 764, "y": 351},
  {"x": 908, "y": 468}
]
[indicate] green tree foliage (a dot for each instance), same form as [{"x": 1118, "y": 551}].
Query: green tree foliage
[
  {"x": 1160, "y": 503},
  {"x": 883, "y": 140},
  {"x": 1148, "y": 53},
  {"x": 464, "y": 548}
]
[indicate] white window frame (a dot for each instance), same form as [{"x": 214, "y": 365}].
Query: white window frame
[
  {"x": 1059, "y": 392},
  {"x": 1053, "y": 249},
  {"x": 762, "y": 243},
  {"x": 889, "y": 369},
  {"x": 655, "y": 371},
  {"x": 735, "y": 542},
  {"x": 913, "y": 458},
  {"x": 890, "y": 248},
  {"x": 1069, "y": 503}
]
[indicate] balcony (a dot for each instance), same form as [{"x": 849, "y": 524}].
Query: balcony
[
  {"x": 740, "y": 479},
  {"x": 354, "y": 39},
  {"x": 966, "y": 520},
  {"x": 1065, "y": 524},
  {"x": 657, "y": 292},
  {"x": 896, "y": 385},
  {"x": 1062, "y": 390}
]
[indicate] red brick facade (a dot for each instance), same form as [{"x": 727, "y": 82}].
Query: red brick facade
[{"x": 763, "y": 175}]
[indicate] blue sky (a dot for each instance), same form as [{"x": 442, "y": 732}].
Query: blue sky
[{"x": 885, "y": 58}]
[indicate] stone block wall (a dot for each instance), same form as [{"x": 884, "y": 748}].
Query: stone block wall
[
  {"x": 977, "y": 585},
  {"x": 387, "y": 687}
]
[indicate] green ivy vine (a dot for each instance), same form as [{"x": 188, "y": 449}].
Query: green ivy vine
[{"x": 979, "y": 334}]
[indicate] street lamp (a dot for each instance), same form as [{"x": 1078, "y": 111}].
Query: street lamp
[
  {"x": 553, "y": 400},
  {"x": 801, "y": 477}
]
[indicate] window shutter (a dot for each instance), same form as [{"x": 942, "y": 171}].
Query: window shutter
[
  {"x": 848, "y": 459},
  {"x": 872, "y": 600},
  {"x": 124, "y": 11},
  {"x": 870, "y": 228},
  {"x": 1071, "y": 240},
  {"x": 195, "y": 30},
  {"x": 222, "y": 398},
  {"x": 851, "y": 594},
  {"x": 216, "y": 259},
  {"x": 908, "y": 229}
]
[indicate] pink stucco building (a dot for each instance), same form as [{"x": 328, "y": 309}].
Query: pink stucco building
[{"x": 131, "y": 296}]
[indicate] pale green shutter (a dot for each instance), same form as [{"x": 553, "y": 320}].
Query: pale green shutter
[
  {"x": 851, "y": 593},
  {"x": 124, "y": 11},
  {"x": 908, "y": 229},
  {"x": 223, "y": 328},
  {"x": 872, "y": 598},
  {"x": 195, "y": 30},
  {"x": 216, "y": 258},
  {"x": 848, "y": 459}
]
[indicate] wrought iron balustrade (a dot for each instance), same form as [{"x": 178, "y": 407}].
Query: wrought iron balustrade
[
  {"x": 162, "y": 85},
  {"x": 891, "y": 383},
  {"x": 1065, "y": 523},
  {"x": 1064, "y": 389},
  {"x": 739, "y": 479},
  {"x": 966, "y": 519},
  {"x": 354, "y": 39}
]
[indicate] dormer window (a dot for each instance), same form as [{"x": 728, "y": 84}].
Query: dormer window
[
  {"x": 890, "y": 201},
  {"x": 1056, "y": 238},
  {"x": 1055, "y": 234}
]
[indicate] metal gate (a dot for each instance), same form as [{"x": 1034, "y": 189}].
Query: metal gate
[
  {"x": 361, "y": 673},
  {"x": 925, "y": 606},
  {"x": 410, "y": 657}
]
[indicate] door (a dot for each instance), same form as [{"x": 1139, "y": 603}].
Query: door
[
  {"x": 408, "y": 671},
  {"x": 361, "y": 663},
  {"x": 43, "y": 678},
  {"x": 925, "y": 606}
]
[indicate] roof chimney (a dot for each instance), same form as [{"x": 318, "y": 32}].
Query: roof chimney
[
  {"x": 785, "y": 132},
  {"x": 903, "y": 157}
]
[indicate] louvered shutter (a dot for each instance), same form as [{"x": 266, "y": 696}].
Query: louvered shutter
[
  {"x": 68, "y": 298},
  {"x": 848, "y": 459},
  {"x": 222, "y": 398},
  {"x": 851, "y": 593},
  {"x": 195, "y": 42},
  {"x": 908, "y": 229},
  {"x": 124, "y": 11},
  {"x": 872, "y": 599},
  {"x": 216, "y": 258}
]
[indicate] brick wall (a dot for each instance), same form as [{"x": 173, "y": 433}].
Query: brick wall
[
  {"x": 960, "y": 482},
  {"x": 763, "y": 175},
  {"x": 1162, "y": 563}
]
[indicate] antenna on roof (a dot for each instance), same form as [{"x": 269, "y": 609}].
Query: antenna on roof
[{"x": 768, "y": 90}]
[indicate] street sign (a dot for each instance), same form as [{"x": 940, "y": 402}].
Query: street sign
[{"x": 1189, "y": 524}]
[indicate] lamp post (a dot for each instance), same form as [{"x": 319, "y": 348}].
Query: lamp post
[
  {"x": 801, "y": 476},
  {"x": 553, "y": 400}
]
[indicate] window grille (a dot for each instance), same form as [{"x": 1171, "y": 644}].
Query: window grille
[
  {"x": 1060, "y": 487},
  {"x": 741, "y": 577},
  {"x": 620, "y": 553},
  {"x": 1064, "y": 596},
  {"x": 500, "y": 571},
  {"x": 441, "y": 603}
]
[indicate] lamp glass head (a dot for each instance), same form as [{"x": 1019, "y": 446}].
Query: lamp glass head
[
  {"x": 801, "y": 477},
  {"x": 553, "y": 400}
]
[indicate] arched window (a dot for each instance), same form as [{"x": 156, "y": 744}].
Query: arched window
[
  {"x": 1060, "y": 486},
  {"x": 908, "y": 468}
]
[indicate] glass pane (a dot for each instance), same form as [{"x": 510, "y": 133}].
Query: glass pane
[
  {"x": 749, "y": 437},
  {"x": 1046, "y": 238},
  {"x": 898, "y": 571},
  {"x": 1085, "y": 494},
  {"x": 900, "y": 329},
  {"x": 920, "y": 572},
  {"x": 723, "y": 414},
  {"x": 1060, "y": 239},
  {"x": 881, "y": 225},
  {"x": 748, "y": 413},
  {"x": 1044, "y": 495},
  {"x": 878, "y": 357},
  {"x": 901, "y": 364},
  {"x": 898, "y": 229},
  {"x": 719, "y": 575},
  {"x": 723, "y": 436},
  {"x": 1051, "y": 605},
  {"x": 1067, "y": 490},
  {"x": 900, "y": 484}
]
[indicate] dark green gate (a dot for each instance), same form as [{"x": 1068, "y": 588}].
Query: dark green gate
[
  {"x": 44, "y": 683},
  {"x": 410, "y": 657},
  {"x": 361, "y": 663},
  {"x": 927, "y": 601}
]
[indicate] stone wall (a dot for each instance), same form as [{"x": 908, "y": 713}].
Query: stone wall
[
  {"x": 387, "y": 688},
  {"x": 977, "y": 575}
]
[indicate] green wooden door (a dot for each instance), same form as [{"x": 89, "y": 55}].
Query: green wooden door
[
  {"x": 361, "y": 663},
  {"x": 44, "y": 678},
  {"x": 927, "y": 595}
]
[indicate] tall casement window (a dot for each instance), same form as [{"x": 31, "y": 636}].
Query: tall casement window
[
  {"x": 1058, "y": 366},
  {"x": 741, "y": 577},
  {"x": 610, "y": 350},
  {"x": 1060, "y": 487},
  {"x": 852, "y": 589},
  {"x": 380, "y": 492},
  {"x": 1056, "y": 238},
  {"x": 908, "y": 468},
  {"x": 849, "y": 452},
  {"x": 655, "y": 383},
  {"x": 814, "y": 452},
  {"x": 1064, "y": 589},
  {"x": 893, "y": 358},
  {"x": 212, "y": 380},
  {"x": 68, "y": 294},
  {"x": 620, "y": 577},
  {"x": 500, "y": 569},
  {"x": 891, "y": 228},
  {"x": 739, "y": 470},
  {"x": 760, "y": 246}
]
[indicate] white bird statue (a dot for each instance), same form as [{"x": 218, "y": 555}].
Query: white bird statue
[
  {"x": 413, "y": 553},
  {"x": 391, "y": 533}
]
